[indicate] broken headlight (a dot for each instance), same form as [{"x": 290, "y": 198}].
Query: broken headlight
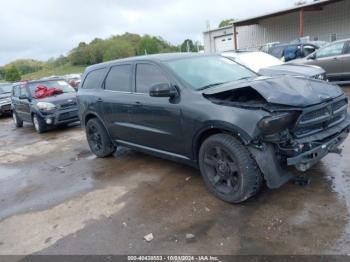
[{"x": 277, "y": 122}]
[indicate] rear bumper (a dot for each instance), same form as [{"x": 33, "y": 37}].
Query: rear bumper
[{"x": 307, "y": 159}]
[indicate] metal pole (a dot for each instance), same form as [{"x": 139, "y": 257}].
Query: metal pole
[
  {"x": 235, "y": 36},
  {"x": 301, "y": 22}
]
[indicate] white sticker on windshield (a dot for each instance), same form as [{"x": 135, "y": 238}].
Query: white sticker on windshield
[{"x": 61, "y": 83}]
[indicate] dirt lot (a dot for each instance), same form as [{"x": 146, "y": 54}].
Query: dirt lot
[{"x": 57, "y": 198}]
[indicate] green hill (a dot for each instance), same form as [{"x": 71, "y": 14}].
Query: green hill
[{"x": 61, "y": 70}]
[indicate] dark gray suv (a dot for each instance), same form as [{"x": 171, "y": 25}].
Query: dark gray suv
[
  {"x": 209, "y": 112},
  {"x": 34, "y": 102}
]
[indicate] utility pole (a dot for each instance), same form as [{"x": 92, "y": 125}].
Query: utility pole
[{"x": 188, "y": 46}]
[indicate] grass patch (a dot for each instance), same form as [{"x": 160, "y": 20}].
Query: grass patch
[{"x": 57, "y": 71}]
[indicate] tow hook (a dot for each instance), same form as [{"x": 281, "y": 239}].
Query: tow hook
[{"x": 302, "y": 180}]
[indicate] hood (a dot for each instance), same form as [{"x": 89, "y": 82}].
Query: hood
[
  {"x": 5, "y": 95},
  {"x": 292, "y": 69},
  {"x": 285, "y": 90},
  {"x": 60, "y": 99}
]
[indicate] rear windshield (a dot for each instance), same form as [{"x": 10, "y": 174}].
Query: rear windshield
[
  {"x": 5, "y": 89},
  {"x": 59, "y": 84}
]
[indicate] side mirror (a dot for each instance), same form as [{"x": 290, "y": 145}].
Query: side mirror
[
  {"x": 163, "y": 90},
  {"x": 23, "y": 97},
  {"x": 312, "y": 56}
]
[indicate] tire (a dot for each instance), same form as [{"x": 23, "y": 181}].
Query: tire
[
  {"x": 17, "y": 120},
  {"x": 228, "y": 169},
  {"x": 39, "y": 124},
  {"x": 98, "y": 139}
]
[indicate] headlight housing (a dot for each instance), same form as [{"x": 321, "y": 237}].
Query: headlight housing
[
  {"x": 277, "y": 122},
  {"x": 320, "y": 77},
  {"x": 45, "y": 106}
]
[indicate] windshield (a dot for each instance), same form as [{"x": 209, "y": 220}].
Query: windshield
[
  {"x": 5, "y": 89},
  {"x": 204, "y": 72},
  {"x": 257, "y": 60},
  {"x": 59, "y": 84}
]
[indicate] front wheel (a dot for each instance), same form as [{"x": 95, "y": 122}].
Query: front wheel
[
  {"x": 98, "y": 139},
  {"x": 228, "y": 169},
  {"x": 18, "y": 122},
  {"x": 39, "y": 124}
]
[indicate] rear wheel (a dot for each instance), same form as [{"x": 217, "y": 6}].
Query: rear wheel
[
  {"x": 18, "y": 122},
  {"x": 98, "y": 139},
  {"x": 228, "y": 169},
  {"x": 39, "y": 124}
]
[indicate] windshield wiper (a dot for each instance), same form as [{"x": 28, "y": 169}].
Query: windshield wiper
[
  {"x": 244, "y": 78},
  {"x": 211, "y": 85}
]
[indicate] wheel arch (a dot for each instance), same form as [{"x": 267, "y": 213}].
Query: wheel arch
[
  {"x": 91, "y": 115},
  {"x": 218, "y": 128}
]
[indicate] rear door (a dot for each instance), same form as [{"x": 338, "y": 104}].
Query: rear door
[
  {"x": 15, "y": 99},
  {"x": 117, "y": 99},
  {"x": 23, "y": 105}
]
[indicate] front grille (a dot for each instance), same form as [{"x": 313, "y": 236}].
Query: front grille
[
  {"x": 68, "y": 105},
  {"x": 320, "y": 119},
  {"x": 68, "y": 116}
]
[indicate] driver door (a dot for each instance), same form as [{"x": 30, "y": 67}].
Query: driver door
[{"x": 155, "y": 122}]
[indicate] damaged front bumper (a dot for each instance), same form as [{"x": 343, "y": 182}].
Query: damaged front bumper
[
  {"x": 306, "y": 160},
  {"x": 274, "y": 161}
]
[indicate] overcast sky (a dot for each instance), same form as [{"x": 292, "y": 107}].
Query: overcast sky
[{"x": 41, "y": 29}]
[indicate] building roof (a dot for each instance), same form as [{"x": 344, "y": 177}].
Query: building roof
[{"x": 314, "y": 6}]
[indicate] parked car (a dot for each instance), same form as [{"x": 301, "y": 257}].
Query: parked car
[
  {"x": 45, "y": 103},
  {"x": 268, "y": 65},
  {"x": 265, "y": 48},
  {"x": 334, "y": 58},
  {"x": 288, "y": 52},
  {"x": 213, "y": 113},
  {"x": 5, "y": 99}
]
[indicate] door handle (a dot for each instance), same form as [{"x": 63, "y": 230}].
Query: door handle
[
  {"x": 99, "y": 100},
  {"x": 138, "y": 103}
]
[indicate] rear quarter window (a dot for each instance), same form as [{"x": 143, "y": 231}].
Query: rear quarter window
[{"x": 94, "y": 79}]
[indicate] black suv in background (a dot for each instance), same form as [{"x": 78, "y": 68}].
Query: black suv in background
[
  {"x": 51, "y": 109},
  {"x": 210, "y": 112},
  {"x": 5, "y": 99}
]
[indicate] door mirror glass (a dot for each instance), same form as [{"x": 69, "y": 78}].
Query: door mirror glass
[
  {"x": 163, "y": 90},
  {"x": 312, "y": 56}
]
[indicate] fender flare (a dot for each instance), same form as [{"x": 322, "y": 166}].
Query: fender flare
[
  {"x": 219, "y": 126},
  {"x": 84, "y": 117}
]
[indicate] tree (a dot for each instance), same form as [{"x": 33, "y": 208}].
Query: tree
[
  {"x": 117, "y": 49},
  {"x": 188, "y": 46},
  {"x": 148, "y": 45},
  {"x": 226, "y": 22},
  {"x": 12, "y": 74},
  {"x": 2, "y": 72}
]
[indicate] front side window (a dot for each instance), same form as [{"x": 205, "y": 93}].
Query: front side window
[
  {"x": 331, "y": 50},
  {"x": 119, "y": 78},
  {"x": 23, "y": 91},
  {"x": 148, "y": 75},
  {"x": 203, "y": 72},
  {"x": 94, "y": 79},
  {"x": 16, "y": 91}
]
